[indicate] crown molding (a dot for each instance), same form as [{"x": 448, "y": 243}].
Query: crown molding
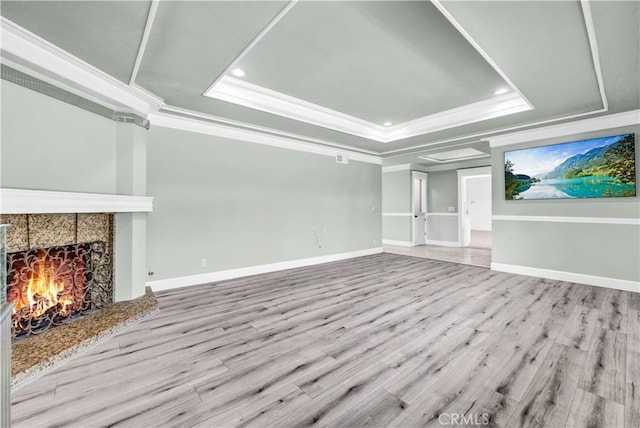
[
  {"x": 617, "y": 120},
  {"x": 33, "y": 53},
  {"x": 474, "y": 172},
  {"x": 491, "y": 108},
  {"x": 241, "y": 92},
  {"x": 208, "y": 118},
  {"x": 202, "y": 127},
  {"x": 460, "y": 158},
  {"x": 394, "y": 168}
]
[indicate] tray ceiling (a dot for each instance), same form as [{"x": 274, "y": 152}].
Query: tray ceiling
[{"x": 334, "y": 73}]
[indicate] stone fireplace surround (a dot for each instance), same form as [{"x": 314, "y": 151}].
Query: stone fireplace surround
[
  {"x": 128, "y": 241},
  {"x": 133, "y": 301},
  {"x": 70, "y": 237}
]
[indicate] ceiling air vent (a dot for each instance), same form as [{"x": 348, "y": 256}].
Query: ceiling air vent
[{"x": 342, "y": 159}]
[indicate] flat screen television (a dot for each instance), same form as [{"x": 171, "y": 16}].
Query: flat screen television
[{"x": 596, "y": 168}]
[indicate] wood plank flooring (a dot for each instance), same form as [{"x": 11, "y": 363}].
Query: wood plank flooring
[{"x": 383, "y": 340}]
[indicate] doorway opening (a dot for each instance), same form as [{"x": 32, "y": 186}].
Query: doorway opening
[{"x": 474, "y": 200}]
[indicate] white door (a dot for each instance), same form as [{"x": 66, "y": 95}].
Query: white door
[
  {"x": 465, "y": 215},
  {"x": 479, "y": 202},
  {"x": 419, "y": 207},
  {"x": 419, "y": 228}
]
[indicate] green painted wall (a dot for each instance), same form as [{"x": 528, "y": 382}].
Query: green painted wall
[
  {"x": 240, "y": 204},
  {"x": 51, "y": 145},
  {"x": 592, "y": 249},
  {"x": 396, "y": 192},
  {"x": 442, "y": 191},
  {"x": 396, "y": 228},
  {"x": 48, "y": 144}
]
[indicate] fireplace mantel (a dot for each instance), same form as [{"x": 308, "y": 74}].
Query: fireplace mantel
[{"x": 25, "y": 201}]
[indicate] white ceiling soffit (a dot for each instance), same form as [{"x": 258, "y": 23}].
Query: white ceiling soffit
[
  {"x": 247, "y": 94},
  {"x": 455, "y": 155}
]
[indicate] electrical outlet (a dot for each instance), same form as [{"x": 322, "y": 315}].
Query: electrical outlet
[
  {"x": 452, "y": 209},
  {"x": 203, "y": 262}
]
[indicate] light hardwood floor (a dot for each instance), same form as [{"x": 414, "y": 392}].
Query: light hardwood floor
[
  {"x": 383, "y": 340},
  {"x": 473, "y": 256}
]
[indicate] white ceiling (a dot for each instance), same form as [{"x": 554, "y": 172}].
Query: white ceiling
[{"x": 334, "y": 72}]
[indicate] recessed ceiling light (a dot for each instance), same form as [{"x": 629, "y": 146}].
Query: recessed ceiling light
[
  {"x": 238, "y": 72},
  {"x": 500, "y": 91},
  {"x": 387, "y": 124}
]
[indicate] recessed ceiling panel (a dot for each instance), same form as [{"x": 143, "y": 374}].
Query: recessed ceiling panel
[
  {"x": 377, "y": 61},
  {"x": 617, "y": 26},
  {"x": 455, "y": 155},
  {"x": 193, "y": 42},
  {"x": 105, "y": 34},
  {"x": 542, "y": 46}
]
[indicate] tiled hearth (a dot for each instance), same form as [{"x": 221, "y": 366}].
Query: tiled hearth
[{"x": 37, "y": 353}]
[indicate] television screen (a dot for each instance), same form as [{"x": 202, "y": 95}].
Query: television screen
[{"x": 596, "y": 168}]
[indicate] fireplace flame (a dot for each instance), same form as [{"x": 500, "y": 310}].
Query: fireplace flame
[{"x": 43, "y": 292}]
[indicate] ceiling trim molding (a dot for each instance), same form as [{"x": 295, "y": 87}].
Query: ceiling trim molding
[
  {"x": 394, "y": 168},
  {"x": 617, "y": 120},
  {"x": 595, "y": 53},
  {"x": 153, "y": 9},
  {"x": 33, "y": 53},
  {"x": 241, "y": 92},
  {"x": 271, "y": 131},
  {"x": 433, "y": 158},
  {"x": 438, "y": 4},
  {"x": 474, "y": 172},
  {"x": 255, "y": 41},
  {"x": 498, "y": 106},
  {"x": 488, "y": 134},
  {"x": 201, "y": 127}
]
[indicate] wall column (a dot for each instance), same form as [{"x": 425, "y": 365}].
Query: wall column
[{"x": 130, "y": 242}]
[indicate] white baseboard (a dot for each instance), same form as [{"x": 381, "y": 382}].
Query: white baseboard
[
  {"x": 397, "y": 243},
  {"x": 185, "y": 281},
  {"x": 598, "y": 281},
  {"x": 443, "y": 243}
]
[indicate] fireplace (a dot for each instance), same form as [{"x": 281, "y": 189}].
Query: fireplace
[
  {"x": 49, "y": 286},
  {"x": 59, "y": 268}
]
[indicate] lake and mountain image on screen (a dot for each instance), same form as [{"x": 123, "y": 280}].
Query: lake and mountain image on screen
[{"x": 596, "y": 168}]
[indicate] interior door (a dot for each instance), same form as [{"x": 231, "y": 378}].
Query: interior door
[
  {"x": 419, "y": 228},
  {"x": 419, "y": 207}
]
